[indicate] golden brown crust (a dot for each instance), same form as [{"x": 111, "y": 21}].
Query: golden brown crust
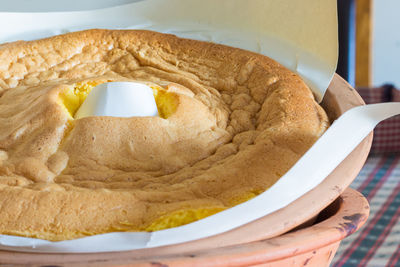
[{"x": 248, "y": 122}]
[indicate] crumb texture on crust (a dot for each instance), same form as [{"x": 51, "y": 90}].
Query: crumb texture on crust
[{"x": 235, "y": 122}]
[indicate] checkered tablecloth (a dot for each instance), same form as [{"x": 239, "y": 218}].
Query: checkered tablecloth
[{"x": 377, "y": 243}]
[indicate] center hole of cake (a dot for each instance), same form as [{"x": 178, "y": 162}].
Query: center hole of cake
[{"x": 74, "y": 96}]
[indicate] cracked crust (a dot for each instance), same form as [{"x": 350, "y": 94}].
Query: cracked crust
[{"x": 245, "y": 121}]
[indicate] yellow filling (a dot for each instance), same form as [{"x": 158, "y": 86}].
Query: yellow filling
[
  {"x": 181, "y": 217},
  {"x": 166, "y": 102},
  {"x": 73, "y": 97}
]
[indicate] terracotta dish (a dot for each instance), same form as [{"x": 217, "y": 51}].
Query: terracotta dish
[{"x": 249, "y": 244}]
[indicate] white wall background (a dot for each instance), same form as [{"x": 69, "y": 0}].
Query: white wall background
[{"x": 386, "y": 42}]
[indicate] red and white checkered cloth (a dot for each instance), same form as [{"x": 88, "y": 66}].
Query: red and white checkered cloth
[
  {"x": 377, "y": 243},
  {"x": 387, "y": 133}
]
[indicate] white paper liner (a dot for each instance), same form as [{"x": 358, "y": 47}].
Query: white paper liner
[{"x": 274, "y": 34}]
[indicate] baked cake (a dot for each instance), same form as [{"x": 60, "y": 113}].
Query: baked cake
[{"x": 231, "y": 123}]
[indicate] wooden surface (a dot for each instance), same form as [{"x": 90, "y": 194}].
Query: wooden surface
[
  {"x": 364, "y": 33},
  {"x": 339, "y": 98}
]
